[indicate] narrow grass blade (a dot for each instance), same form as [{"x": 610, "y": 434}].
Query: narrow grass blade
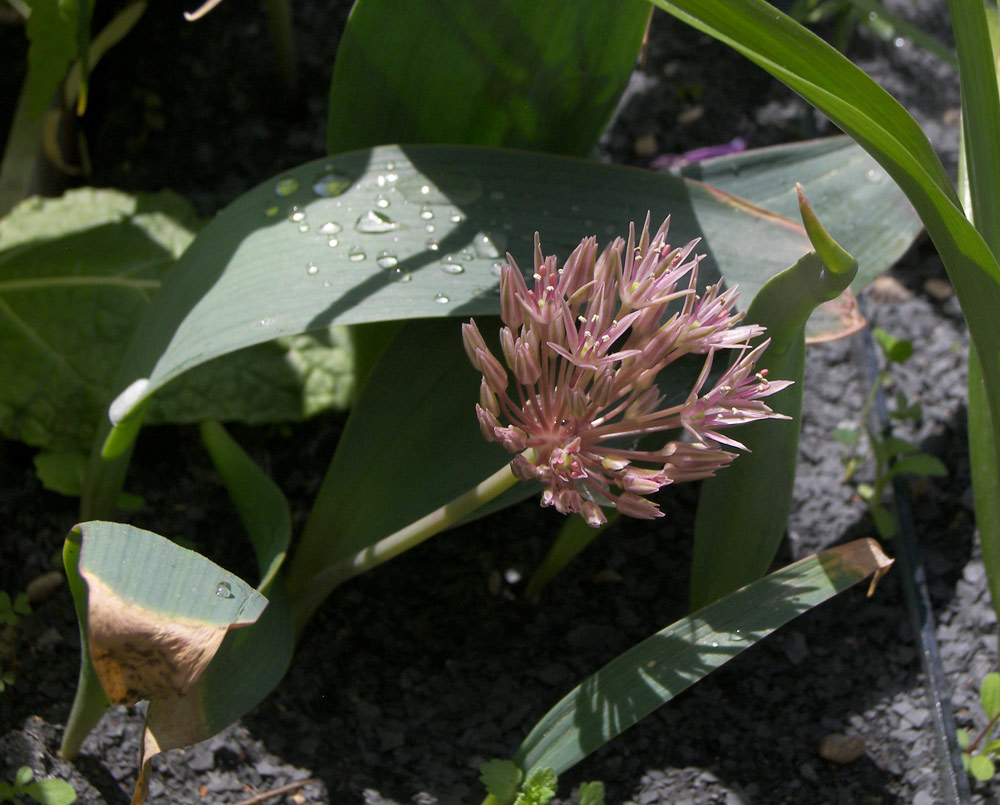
[{"x": 651, "y": 673}]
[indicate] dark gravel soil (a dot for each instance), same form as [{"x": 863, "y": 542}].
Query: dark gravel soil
[{"x": 414, "y": 674}]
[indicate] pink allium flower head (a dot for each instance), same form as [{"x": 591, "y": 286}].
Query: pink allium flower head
[{"x": 584, "y": 346}]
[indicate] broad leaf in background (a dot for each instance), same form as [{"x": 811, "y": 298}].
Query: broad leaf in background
[
  {"x": 768, "y": 176},
  {"x": 538, "y": 74},
  {"x": 654, "y": 671},
  {"x": 102, "y": 254}
]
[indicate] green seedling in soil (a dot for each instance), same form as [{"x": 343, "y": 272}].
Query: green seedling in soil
[
  {"x": 46, "y": 792},
  {"x": 979, "y": 756},
  {"x": 507, "y": 785},
  {"x": 10, "y": 613},
  {"x": 892, "y": 456}
]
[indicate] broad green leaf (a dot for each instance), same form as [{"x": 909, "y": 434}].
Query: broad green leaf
[
  {"x": 247, "y": 276},
  {"x": 651, "y": 673},
  {"x": 843, "y": 184},
  {"x": 743, "y": 510},
  {"x": 501, "y": 778},
  {"x": 917, "y": 464},
  {"x": 879, "y": 124},
  {"x": 537, "y": 74},
  {"x": 102, "y": 254},
  {"x": 989, "y": 694},
  {"x": 52, "y": 30}
]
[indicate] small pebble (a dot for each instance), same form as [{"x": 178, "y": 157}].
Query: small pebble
[
  {"x": 691, "y": 115},
  {"x": 841, "y": 749},
  {"x": 607, "y": 576},
  {"x": 889, "y": 289},
  {"x": 646, "y": 146},
  {"x": 939, "y": 289},
  {"x": 41, "y": 587}
]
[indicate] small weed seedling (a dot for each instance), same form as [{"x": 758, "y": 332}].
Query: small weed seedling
[
  {"x": 979, "y": 755},
  {"x": 11, "y": 612},
  {"x": 893, "y": 456},
  {"x": 507, "y": 786},
  {"x": 48, "y": 792}
]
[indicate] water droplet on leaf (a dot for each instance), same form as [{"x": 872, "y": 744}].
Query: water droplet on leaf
[
  {"x": 224, "y": 590},
  {"x": 449, "y": 267},
  {"x": 375, "y": 223},
  {"x": 287, "y": 186},
  {"x": 399, "y": 275},
  {"x": 330, "y": 228},
  {"x": 330, "y": 184},
  {"x": 386, "y": 260},
  {"x": 312, "y": 268},
  {"x": 441, "y": 299},
  {"x": 356, "y": 254}
]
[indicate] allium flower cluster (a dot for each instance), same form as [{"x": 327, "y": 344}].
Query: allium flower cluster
[{"x": 585, "y": 346}]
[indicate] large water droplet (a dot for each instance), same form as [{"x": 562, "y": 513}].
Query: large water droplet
[
  {"x": 441, "y": 299},
  {"x": 330, "y": 184},
  {"x": 450, "y": 267},
  {"x": 356, "y": 254},
  {"x": 330, "y": 228},
  {"x": 296, "y": 215},
  {"x": 312, "y": 269},
  {"x": 224, "y": 590},
  {"x": 456, "y": 217},
  {"x": 287, "y": 186},
  {"x": 488, "y": 247},
  {"x": 426, "y": 212},
  {"x": 386, "y": 260},
  {"x": 429, "y": 228},
  {"x": 375, "y": 223}
]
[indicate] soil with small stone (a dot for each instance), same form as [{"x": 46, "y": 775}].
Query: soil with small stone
[{"x": 414, "y": 674}]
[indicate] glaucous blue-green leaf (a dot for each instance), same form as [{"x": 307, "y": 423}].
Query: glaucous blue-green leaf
[
  {"x": 844, "y": 185},
  {"x": 651, "y": 673},
  {"x": 413, "y": 232},
  {"x": 543, "y": 75},
  {"x": 742, "y": 511},
  {"x": 76, "y": 274}
]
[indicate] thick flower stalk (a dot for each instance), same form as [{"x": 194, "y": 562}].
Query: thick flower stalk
[{"x": 585, "y": 346}]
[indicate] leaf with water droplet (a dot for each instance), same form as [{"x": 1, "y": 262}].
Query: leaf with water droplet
[
  {"x": 330, "y": 184},
  {"x": 357, "y": 255},
  {"x": 375, "y": 223},
  {"x": 386, "y": 259},
  {"x": 285, "y": 187}
]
